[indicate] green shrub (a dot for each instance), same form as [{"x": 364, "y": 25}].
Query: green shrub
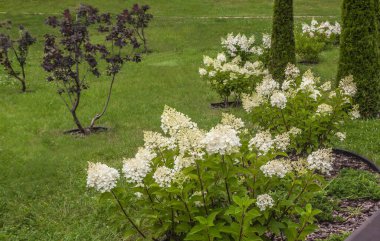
[
  {"x": 237, "y": 69},
  {"x": 189, "y": 184},
  {"x": 326, "y": 204},
  {"x": 308, "y": 110},
  {"x": 355, "y": 184},
  {"x": 308, "y": 49},
  {"x": 283, "y": 43},
  {"x": 336, "y": 237},
  {"x": 359, "y": 53}
]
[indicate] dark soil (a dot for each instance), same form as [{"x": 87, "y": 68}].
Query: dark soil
[
  {"x": 348, "y": 161},
  {"x": 87, "y": 130},
  {"x": 351, "y": 213},
  {"x": 222, "y": 105}
]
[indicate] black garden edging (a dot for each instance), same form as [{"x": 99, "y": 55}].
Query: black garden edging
[
  {"x": 370, "y": 163},
  {"x": 369, "y": 230}
]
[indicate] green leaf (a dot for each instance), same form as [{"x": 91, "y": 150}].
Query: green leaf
[
  {"x": 197, "y": 228},
  {"x": 211, "y": 218}
]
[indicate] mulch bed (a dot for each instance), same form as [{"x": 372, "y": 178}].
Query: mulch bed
[
  {"x": 351, "y": 213},
  {"x": 92, "y": 130},
  {"x": 222, "y": 105}
]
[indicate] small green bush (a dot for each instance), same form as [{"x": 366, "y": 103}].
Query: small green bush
[
  {"x": 308, "y": 49},
  {"x": 355, "y": 184},
  {"x": 326, "y": 204},
  {"x": 336, "y": 237}
]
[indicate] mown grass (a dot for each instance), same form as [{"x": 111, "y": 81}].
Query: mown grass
[{"x": 42, "y": 182}]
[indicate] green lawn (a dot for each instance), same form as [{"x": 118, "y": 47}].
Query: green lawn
[{"x": 43, "y": 172}]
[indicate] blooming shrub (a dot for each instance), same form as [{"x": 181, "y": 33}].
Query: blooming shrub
[
  {"x": 310, "y": 111},
  {"x": 236, "y": 70},
  {"x": 314, "y": 38},
  {"x": 323, "y": 32},
  {"x": 224, "y": 184},
  {"x": 308, "y": 49}
]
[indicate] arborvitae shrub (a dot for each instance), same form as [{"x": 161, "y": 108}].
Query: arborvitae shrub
[
  {"x": 359, "y": 53},
  {"x": 283, "y": 44}
]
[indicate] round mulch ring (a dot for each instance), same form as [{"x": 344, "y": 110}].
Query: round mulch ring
[
  {"x": 87, "y": 130},
  {"x": 222, "y": 105},
  {"x": 351, "y": 213}
]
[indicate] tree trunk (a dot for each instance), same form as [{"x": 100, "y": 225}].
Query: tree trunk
[
  {"x": 98, "y": 116},
  {"x": 74, "y": 114}
]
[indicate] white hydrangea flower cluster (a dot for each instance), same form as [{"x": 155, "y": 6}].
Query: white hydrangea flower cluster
[
  {"x": 252, "y": 101},
  {"x": 173, "y": 121},
  {"x": 240, "y": 43},
  {"x": 282, "y": 141},
  {"x": 230, "y": 120},
  {"x": 324, "y": 109},
  {"x": 222, "y": 139},
  {"x": 355, "y": 113},
  {"x": 267, "y": 41},
  {"x": 267, "y": 86},
  {"x": 341, "y": 136},
  {"x": 155, "y": 140},
  {"x": 101, "y": 177},
  {"x": 164, "y": 176},
  {"x": 135, "y": 169},
  {"x": 291, "y": 71},
  {"x": 190, "y": 142},
  {"x": 295, "y": 131},
  {"x": 277, "y": 168},
  {"x": 348, "y": 86},
  {"x": 278, "y": 99},
  {"x": 181, "y": 162},
  {"x": 230, "y": 70},
  {"x": 321, "y": 160},
  {"x": 264, "y": 201},
  {"x": 325, "y": 29},
  {"x": 309, "y": 84},
  {"x": 326, "y": 86},
  {"x": 262, "y": 141}
]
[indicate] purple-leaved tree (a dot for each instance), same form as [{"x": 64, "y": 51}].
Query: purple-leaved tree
[
  {"x": 139, "y": 19},
  {"x": 15, "y": 49},
  {"x": 72, "y": 55}
]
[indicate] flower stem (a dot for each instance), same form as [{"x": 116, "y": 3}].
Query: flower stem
[
  {"x": 127, "y": 216},
  {"x": 226, "y": 181},
  {"x": 202, "y": 188}
]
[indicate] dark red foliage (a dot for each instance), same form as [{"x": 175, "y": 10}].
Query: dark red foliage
[
  {"x": 17, "y": 47},
  {"x": 71, "y": 54}
]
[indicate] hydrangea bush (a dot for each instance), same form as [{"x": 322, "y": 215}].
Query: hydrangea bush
[
  {"x": 323, "y": 32},
  {"x": 223, "y": 184},
  {"x": 314, "y": 38},
  {"x": 309, "y": 111},
  {"x": 237, "y": 69}
]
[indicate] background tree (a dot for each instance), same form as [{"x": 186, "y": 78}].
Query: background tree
[
  {"x": 359, "y": 53},
  {"x": 15, "y": 49},
  {"x": 69, "y": 58},
  {"x": 139, "y": 19},
  {"x": 283, "y": 44}
]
